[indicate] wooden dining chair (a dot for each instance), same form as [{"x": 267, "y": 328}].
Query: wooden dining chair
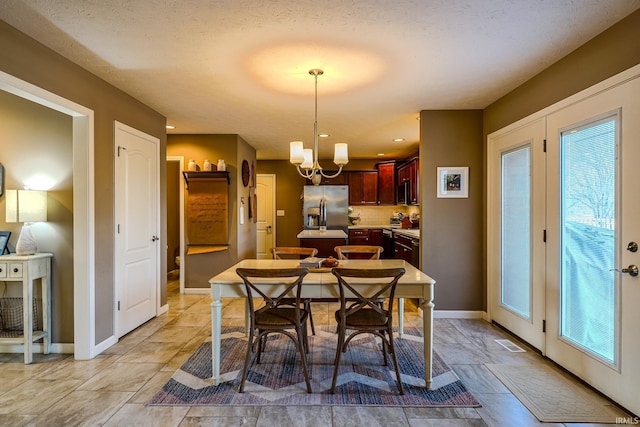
[
  {"x": 360, "y": 251},
  {"x": 364, "y": 314},
  {"x": 273, "y": 317},
  {"x": 294, "y": 252}
]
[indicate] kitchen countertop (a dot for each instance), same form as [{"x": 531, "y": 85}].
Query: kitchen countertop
[
  {"x": 414, "y": 233},
  {"x": 317, "y": 234}
]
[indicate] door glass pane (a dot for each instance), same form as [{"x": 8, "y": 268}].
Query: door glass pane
[
  {"x": 588, "y": 297},
  {"x": 516, "y": 231}
]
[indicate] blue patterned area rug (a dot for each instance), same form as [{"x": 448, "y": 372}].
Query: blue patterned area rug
[{"x": 277, "y": 380}]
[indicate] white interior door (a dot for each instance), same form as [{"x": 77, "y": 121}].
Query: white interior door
[
  {"x": 516, "y": 253},
  {"x": 593, "y": 206},
  {"x": 137, "y": 237},
  {"x": 266, "y": 225}
]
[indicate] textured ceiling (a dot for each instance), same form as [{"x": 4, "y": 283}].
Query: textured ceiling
[{"x": 241, "y": 66}]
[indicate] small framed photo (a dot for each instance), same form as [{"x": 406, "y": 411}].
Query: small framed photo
[
  {"x": 453, "y": 182},
  {"x": 4, "y": 241}
]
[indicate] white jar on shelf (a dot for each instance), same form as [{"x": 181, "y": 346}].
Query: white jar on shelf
[
  {"x": 192, "y": 166},
  {"x": 207, "y": 166},
  {"x": 221, "y": 165}
]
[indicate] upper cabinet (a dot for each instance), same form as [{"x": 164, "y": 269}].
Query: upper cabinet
[
  {"x": 409, "y": 183},
  {"x": 363, "y": 188},
  {"x": 386, "y": 183}
]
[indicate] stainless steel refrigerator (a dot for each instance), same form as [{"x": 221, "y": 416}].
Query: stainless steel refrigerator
[{"x": 326, "y": 205}]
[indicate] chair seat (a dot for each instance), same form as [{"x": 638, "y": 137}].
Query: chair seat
[
  {"x": 281, "y": 316},
  {"x": 364, "y": 318}
]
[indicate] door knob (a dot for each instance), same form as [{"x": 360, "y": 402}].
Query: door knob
[
  {"x": 632, "y": 270},
  {"x": 268, "y": 229},
  {"x": 155, "y": 238}
]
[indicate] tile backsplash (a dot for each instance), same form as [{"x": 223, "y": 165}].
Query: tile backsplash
[{"x": 379, "y": 215}]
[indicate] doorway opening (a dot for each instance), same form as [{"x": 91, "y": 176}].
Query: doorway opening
[{"x": 175, "y": 225}]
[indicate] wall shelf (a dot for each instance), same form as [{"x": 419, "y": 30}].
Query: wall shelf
[{"x": 192, "y": 175}]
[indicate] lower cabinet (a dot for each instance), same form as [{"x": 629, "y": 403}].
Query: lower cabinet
[
  {"x": 324, "y": 246},
  {"x": 359, "y": 236},
  {"x": 402, "y": 247},
  {"x": 365, "y": 236}
]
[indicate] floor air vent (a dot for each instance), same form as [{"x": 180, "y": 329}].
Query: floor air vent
[{"x": 509, "y": 345}]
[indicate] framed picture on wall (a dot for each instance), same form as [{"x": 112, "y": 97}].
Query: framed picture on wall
[
  {"x": 4, "y": 241},
  {"x": 453, "y": 182}
]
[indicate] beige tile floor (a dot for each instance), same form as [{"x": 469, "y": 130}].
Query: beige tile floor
[{"x": 112, "y": 389}]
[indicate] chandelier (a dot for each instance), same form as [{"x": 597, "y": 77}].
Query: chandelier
[{"x": 305, "y": 159}]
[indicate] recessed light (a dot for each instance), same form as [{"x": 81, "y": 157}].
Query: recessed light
[
  {"x": 171, "y": 127},
  {"x": 398, "y": 139},
  {"x": 380, "y": 154},
  {"x": 323, "y": 135}
]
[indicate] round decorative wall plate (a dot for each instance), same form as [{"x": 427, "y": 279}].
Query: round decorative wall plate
[{"x": 245, "y": 173}]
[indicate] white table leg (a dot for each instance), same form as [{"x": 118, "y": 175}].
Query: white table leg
[
  {"x": 400, "y": 317},
  {"x": 427, "y": 323},
  {"x": 46, "y": 313},
  {"x": 27, "y": 319},
  {"x": 216, "y": 326}
]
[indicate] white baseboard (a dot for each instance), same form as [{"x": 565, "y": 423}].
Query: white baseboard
[
  {"x": 459, "y": 314},
  {"x": 193, "y": 291},
  {"x": 37, "y": 348}
]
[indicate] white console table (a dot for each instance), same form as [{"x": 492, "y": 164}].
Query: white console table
[{"x": 26, "y": 269}]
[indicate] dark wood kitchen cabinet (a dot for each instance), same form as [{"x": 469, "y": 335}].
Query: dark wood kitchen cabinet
[
  {"x": 409, "y": 183},
  {"x": 386, "y": 183},
  {"x": 359, "y": 236},
  {"x": 324, "y": 246},
  {"x": 365, "y": 236},
  {"x": 375, "y": 236},
  {"x": 363, "y": 188},
  {"x": 403, "y": 247}
]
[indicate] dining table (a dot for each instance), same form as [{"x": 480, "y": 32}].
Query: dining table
[{"x": 321, "y": 283}]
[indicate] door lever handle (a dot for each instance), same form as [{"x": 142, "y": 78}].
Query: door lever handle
[{"x": 632, "y": 270}]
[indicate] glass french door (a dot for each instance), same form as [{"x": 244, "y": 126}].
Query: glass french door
[
  {"x": 516, "y": 236},
  {"x": 592, "y": 218}
]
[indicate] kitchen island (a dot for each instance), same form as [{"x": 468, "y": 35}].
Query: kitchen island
[{"x": 323, "y": 241}]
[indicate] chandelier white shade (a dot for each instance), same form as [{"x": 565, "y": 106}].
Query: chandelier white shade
[{"x": 306, "y": 159}]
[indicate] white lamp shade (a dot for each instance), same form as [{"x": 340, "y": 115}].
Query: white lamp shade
[
  {"x": 296, "y": 152},
  {"x": 308, "y": 159},
  {"x": 11, "y": 205},
  {"x": 341, "y": 154},
  {"x": 26, "y": 206}
]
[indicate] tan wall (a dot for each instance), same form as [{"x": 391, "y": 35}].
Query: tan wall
[
  {"x": 42, "y": 151},
  {"x": 609, "y": 53},
  {"x": 233, "y": 149},
  {"x": 24, "y": 58},
  {"x": 451, "y": 229}
]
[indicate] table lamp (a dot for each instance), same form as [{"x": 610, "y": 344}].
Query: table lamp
[{"x": 26, "y": 206}]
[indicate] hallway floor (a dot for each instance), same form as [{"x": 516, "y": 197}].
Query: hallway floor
[{"x": 112, "y": 389}]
